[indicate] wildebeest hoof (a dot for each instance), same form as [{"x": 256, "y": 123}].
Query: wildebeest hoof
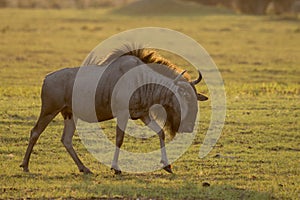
[
  {"x": 86, "y": 171},
  {"x": 168, "y": 169},
  {"x": 117, "y": 171},
  {"x": 25, "y": 169}
]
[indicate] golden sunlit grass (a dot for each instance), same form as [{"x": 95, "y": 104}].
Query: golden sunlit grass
[{"x": 255, "y": 158}]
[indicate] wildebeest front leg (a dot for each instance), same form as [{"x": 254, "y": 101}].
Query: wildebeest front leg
[
  {"x": 164, "y": 158},
  {"x": 119, "y": 142},
  {"x": 66, "y": 139},
  {"x": 155, "y": 127},
  {"x": 121, "y": 125}
]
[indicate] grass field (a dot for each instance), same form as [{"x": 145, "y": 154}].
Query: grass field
[{"x": 257, "y": 156}]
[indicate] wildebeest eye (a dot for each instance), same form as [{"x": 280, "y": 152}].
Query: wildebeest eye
[
  {"x": 187, "y": 95},
  {"x": 184, "y": 93},
  {"x": 181, "y": 91}
]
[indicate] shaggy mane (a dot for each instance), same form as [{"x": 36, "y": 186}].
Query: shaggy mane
[{"x": 146, "y": 55}]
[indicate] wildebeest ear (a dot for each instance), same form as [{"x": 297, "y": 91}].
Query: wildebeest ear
[{"x": 201, "y": 97}]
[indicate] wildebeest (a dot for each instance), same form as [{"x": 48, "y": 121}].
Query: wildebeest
[{"x": 57, "y": 92}]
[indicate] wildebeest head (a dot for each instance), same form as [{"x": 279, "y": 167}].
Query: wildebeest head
[{"x": 182, "y": 114}]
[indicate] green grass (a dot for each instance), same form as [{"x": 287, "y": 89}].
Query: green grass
[{"x": 257, "y": 156}]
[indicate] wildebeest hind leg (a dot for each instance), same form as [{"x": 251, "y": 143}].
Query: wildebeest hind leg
[
  {"x": 37, "y": 130},
  {"x": 66, "y": 139}
]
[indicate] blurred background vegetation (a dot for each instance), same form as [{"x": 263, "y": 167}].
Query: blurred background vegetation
[{"x": 257, "y": 7}]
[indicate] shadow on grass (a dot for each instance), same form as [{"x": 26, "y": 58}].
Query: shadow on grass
[
  {"x": 186, "y": 190},
  {"x": 105, "y": 185},
  {"x": 141, "y": 186}
]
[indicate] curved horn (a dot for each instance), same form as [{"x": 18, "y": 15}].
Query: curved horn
[
  {"x": 179, "y": 76},
  {"x": 198, "y": 80}
]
